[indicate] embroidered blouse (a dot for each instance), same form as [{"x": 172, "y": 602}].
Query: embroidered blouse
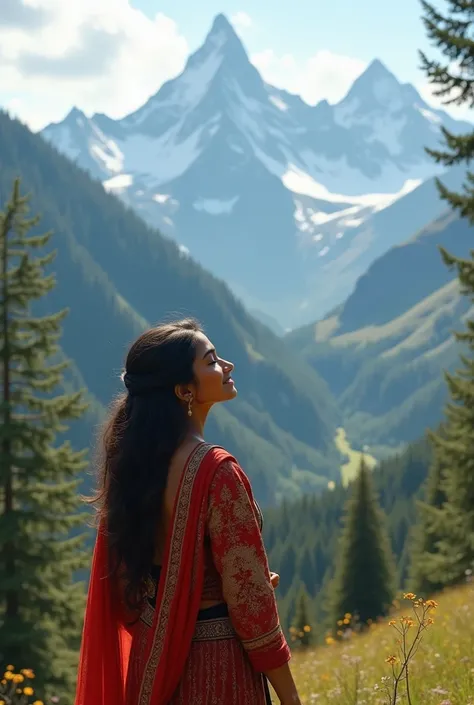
[
  {"x": 239, "y": 570},
  {"x": 236, "y": 568}
]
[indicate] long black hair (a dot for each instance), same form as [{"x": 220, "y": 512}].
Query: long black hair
[{"x": 145, "y": 427}]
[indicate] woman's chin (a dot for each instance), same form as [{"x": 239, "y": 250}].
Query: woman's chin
[{"x": 231, "y": 391}]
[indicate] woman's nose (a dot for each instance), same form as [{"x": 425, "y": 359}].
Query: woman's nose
[{"x": 228, "y": 366}]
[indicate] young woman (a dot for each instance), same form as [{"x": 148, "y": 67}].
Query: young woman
[{"x": 181, "y": 607}]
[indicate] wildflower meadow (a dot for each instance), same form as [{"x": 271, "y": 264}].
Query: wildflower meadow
[{"x": 423, "y": 654}]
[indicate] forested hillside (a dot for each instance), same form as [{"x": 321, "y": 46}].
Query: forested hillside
[
  {"x": 383, "y": 351},
  {"x": 302, "y": 536},
  {"x": 118, "y": 276}
]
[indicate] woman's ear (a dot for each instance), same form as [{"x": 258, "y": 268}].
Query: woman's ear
[{"x": 183, "y": 392}]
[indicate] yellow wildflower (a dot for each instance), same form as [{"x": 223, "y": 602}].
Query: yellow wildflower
[
  {"x": 329, "y": 640},
  {"x": 18, "y": 678},
  {"x": 392, "y": 623},
  {"x": 10, "y": 668},
  {"x": 8, "y": 675},
  {"x": 409, "y": 596},
  {"x": 431, "y": 604},
  {"x": 38, "y": 702},
  {"x": 340, "y": 622},
  {"x": 27, "y": 672},
  {"x": 348, "y": 615},
  {"x": 28, "y": 690},
  {"x": 307, "y": 628},
  {"x": 391, "y": 659},
  {"x": 346, "y": 620}
]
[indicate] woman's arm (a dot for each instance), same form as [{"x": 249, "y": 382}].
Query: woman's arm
[{"x": 241, "y": 560}]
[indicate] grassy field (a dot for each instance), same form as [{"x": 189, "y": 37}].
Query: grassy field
[
  {"x": 350, "y": 468},
  {"x": 355, "y": 671}
]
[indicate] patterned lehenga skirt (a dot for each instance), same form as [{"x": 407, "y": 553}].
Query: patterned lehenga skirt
[{"x": 217, "y": 670}]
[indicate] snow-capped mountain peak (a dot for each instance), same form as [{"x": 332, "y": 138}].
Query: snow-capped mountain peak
[{"x": 224, "y": 163}]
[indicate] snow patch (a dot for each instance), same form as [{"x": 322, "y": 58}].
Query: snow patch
[
  {"x": 214, "y": 206},
  {"x": 188, "y": 89},
  {"x": 118, "y": 182},
  {"x": 299, "y": 181},
  {"x": 163, "y": 158},
  {"x": 352, "y": 222},
  {"x": 183, "y": 251},
  {"x": 278, "y": 103},
  {"x": 321, "y": 218},
  {"x": 161, "y": 197},
  {"x": 429, "y": 115}
]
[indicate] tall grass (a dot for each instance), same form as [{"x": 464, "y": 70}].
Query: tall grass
[{"x": 363, "y": 668}]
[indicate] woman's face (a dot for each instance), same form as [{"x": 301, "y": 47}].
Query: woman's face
[{"x": 213, "y": 374}]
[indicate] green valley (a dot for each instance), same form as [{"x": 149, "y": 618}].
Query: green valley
[{"x": 383, "y": 352}]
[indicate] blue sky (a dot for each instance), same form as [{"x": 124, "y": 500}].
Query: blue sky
[
  {"x": 110, "y": 55},
  {"x": 363, "y": 29}
]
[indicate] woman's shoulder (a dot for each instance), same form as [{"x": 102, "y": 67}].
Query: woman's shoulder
[{"x": 228, "y": 471}]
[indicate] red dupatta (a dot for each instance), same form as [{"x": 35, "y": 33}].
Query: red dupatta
[{"x": 106, "y": 641}]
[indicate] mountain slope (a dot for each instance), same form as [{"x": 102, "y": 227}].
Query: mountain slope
[
  {"x": 117, "y": 276},
  {"x": 384, "y": 350},
  {"x": 260, "y": 187}
]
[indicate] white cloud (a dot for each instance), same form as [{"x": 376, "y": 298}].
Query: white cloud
[
  {"x": 100, "y": 56},
  {"x": 324, "y": 75},
  {"x": 241, "y": 21}
]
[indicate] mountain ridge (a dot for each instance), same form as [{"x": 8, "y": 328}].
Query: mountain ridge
[
  {"x": 224, "y": 163},
  {"x": 117, "y": 275},
  {"x": 383, "y": 352}
]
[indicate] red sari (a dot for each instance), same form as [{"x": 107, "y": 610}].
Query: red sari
[{"x": 169, "y": 656}]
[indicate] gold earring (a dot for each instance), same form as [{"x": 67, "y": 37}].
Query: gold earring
[{"x": 190, "y": 403}]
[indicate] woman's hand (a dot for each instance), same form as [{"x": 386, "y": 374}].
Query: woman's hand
[{"x": 275, "y": 579}]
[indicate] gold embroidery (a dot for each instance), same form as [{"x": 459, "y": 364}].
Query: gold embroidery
[
  {"x": 234, "y": 525},
  {"x": 151, "y": 588},
  {"x": 262, "y": 641},
  {"x": 147, "y": 615},
  {"x": 211, "y": 629},
  {"x": 171, "y": 577}
]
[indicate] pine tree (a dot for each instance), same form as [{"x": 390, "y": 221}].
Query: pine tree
[
  {"x": 444, "y": 550},
  {"x": 364, "y": 580},
  {"x": 425, "y": 534},
  {"x": 302, "y": 627},
  {"x": 453, "y": 79},
  {"x": 40, "y": 605}
]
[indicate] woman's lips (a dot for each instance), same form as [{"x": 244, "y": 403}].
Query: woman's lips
[{"x": 229, "y": 381}]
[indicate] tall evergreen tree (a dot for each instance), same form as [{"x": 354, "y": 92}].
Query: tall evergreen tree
[
  {"x": 302, "y": 626},
  {"x": 40, "y": 605},
  {"x": 364, "y": 580},
  {"x": 444, "y": 549},
  {"x": 425, "y": 534}
]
